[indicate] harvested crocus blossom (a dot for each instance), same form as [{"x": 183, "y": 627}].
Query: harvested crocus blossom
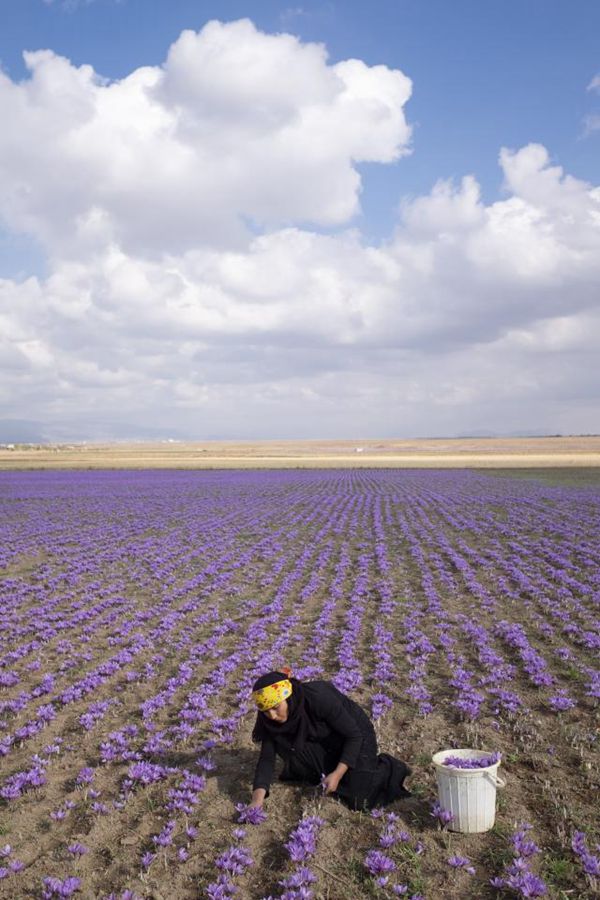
[{"x": 483, "y": 762}]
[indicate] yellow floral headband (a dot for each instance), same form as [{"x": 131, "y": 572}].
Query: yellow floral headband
[{"x": 272, "y": 695}]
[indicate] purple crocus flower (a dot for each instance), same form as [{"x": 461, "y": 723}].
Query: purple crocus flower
[
  {"x": 147, "y": 859},
  {"x": 302, "y": 841},
  {"x": 590, "y": 863},
  {"x": 54, "y": 887},
  {"x": 301, "y": 877},
  {"x": 483, "y": 762},
  {"x": 461, "y": 862},
  {"x": 221, "y": 889},
  {"x": 377, "y": 863},
  {"x": 77, "y": 849},
  {"x": 85, "y": 776},
  {"x": 444, "y": 816},
  {"x": 561, "y": 701},
  {"x": 234, "y": 860},
  {"x": 250, "y": 815}
]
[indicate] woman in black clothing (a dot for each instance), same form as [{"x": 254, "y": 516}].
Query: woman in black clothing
[{"x": 323, "y": 737}]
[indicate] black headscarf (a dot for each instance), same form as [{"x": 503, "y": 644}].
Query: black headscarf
[{"x": 293, "y": 733}]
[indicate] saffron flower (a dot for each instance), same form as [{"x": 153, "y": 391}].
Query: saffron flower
[
  {"x": 461, "y": 862},
  {"x": 377, "y": 863},
  {"x": 250, "y": 815},
  {"x": 85, "y": 776},
  {"x": 54, "y": 887},
  {"x": 590, "y": 863},
  {"x": 444, "y": 816},
  {"x": 472, "y": 763}
]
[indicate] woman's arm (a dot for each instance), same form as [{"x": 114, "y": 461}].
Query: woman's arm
[
  {"x": 258, "y": 796},
  {"x": 263, "y": 773}
]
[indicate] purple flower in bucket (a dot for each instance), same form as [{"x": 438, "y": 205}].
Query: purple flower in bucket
[{"x": 483, "y": 762}]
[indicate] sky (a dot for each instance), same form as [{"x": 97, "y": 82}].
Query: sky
[{"x": 256, "y": 220}]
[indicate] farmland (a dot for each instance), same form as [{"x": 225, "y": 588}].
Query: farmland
[
  {"x": 459, "y": 607},
  {"x": 492, "y": 452}
]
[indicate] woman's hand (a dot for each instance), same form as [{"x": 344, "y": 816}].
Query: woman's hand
[
  {"x": 330, "y": 782},
  {"x": 258, "y": 797}
]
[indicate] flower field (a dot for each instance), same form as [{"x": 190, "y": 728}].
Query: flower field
[{"x": 459, "y": 608}]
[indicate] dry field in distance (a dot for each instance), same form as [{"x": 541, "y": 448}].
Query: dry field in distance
[{"x": 414, "y": 453}]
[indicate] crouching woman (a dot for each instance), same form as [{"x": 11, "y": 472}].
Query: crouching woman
[{"x": 323, "y": 737}]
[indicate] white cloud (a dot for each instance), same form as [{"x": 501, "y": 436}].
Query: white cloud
[
  {"x": 188, "y": 288},
  {"x": 188, "y": 154},
  {"x": 591, "y": 123},
  {"x": 594, "y": 84}
]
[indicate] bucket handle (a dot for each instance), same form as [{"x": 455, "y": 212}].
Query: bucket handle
[{"x": 496, "y": 780}]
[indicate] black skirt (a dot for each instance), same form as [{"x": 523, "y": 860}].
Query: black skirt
[{"x": 376, "y": 780}]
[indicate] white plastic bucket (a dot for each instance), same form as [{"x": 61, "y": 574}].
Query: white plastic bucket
[{"x": 469, "y": 794}]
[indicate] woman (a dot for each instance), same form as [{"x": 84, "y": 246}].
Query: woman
[{"x": 323, "y": 737}]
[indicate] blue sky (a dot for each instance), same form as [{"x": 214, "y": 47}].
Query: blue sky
[{"x": 485, "y": 76}]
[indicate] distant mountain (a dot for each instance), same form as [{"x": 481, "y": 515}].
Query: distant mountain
[
  {"x": 523, "y": 433},
  {"x": 28, "y": 431},
  {"x": 121, "y": 431},
  {"x": 532, "y": 432},
  {"x": 21, "y": 431},
  {"x": 479, "y": 433}
]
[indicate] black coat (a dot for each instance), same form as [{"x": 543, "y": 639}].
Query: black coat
[{"x": 341, "y": 732}]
